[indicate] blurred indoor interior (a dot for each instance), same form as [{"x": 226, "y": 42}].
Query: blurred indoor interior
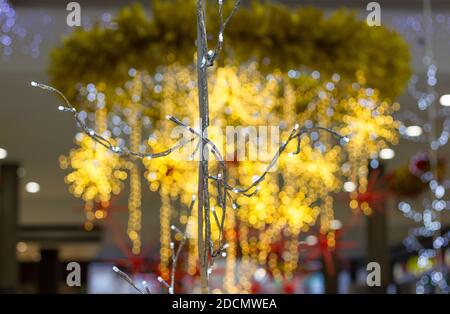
[{"x": 387, "y": 200}]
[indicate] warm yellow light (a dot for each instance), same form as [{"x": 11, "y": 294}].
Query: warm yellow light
[
  {"x": 299, "y": 191},
  {"x": 96, "y": 172}
]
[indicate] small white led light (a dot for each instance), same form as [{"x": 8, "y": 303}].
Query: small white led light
[
  {"x": 336, "y": 224},
  {"x": 311, "y": 240},
  {"x": 260, "y": 274},
  {"x": 32, "y": 187},
  {"x": 414, "y": 130},
  {"x": 3, "y": 153},
  {"x": 349, "y": 186},
  {"x": 387, "y": 153},
  {"x": 445, "y": 100}
]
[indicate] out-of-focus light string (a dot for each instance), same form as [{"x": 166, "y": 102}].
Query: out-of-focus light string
[{"x": 434, "y": 205}]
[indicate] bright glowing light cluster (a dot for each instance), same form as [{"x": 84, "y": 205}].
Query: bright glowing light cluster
[
  {"x": 285, "y": 202},
  {"x": 243, "y": 96},
  {"x": 369, "y": 121},
  {"x": 96, "y": 172},
  {"x": 288, "y": 201}
]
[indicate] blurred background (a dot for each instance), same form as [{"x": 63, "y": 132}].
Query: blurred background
[{"x": 387, "y": 198}]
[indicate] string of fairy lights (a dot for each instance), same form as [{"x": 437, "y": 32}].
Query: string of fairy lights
[
  {"x": 135, "y": 139},
  {"x": 295, "y": 135},
  {"x": 176, "y": 252},
  {"x": 430, "y": 256},
  {"x": 265, "y": 207},
  {"x": 290, "y": 212}
]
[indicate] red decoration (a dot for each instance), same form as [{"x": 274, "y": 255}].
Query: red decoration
[
  {"x": 133, "y": 263},
  {"x": 376, "y": 193},
  {"x": 322, "y": 249}
]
